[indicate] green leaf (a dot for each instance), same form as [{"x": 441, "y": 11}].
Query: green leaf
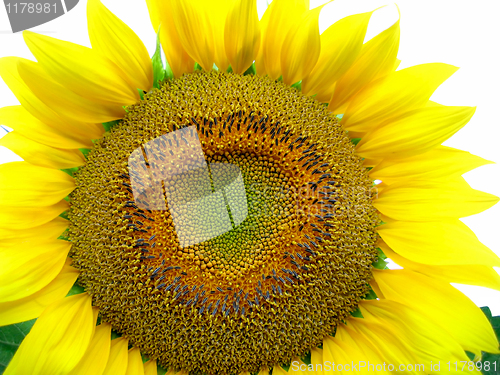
[
  {"x": 306, "y": 358},
  {"x": 355, "y": 141},
  {"x": 357, "y": 313},
  {"x": 197, "y": 66},
  {"x": 251, "y": 70},
  {"x": 141, "y": 93},
  {"x": 298, "y": 85},
  {"x": 380, "y": 264},
  {"x": 109, "y": 125},
  {"x": 381, "y": 254},
  {"x": 85, "y": 151},
  {"x": 75, "y": 289},
  {"x": 486, "y": 310},
  {"x": 70, "y": 171},
  {"x": 10, "y": 339},
  {"x": 158, "y": 68},
  {"x": 286, "y": 367},
  {"x": 490, "y": 364},
  {"x": 495, "y": 322},
  {"x": 371, "y": 295}
]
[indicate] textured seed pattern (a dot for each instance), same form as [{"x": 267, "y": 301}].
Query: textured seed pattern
[{"x": 275, "y": 284}]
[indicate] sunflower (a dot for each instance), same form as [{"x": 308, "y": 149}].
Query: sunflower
[{"x": 231, "y": 213}]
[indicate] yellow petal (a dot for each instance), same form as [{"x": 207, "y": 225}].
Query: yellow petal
[
  {"x": 95, "y": 358},
  {"x": 317, "y": 358},
  {"x": 301, "y": 48},
  {"x": 29, "y": 217},
  {"x": 277, "y": 21},
  {"x": 448, "y": 242},
  {"x": 82, "y": 70},
  {"x": 32, "y": 306},
  {"x": 440, "y": 163},
  {"x": 118, "y": 357},
  {"x": 414, "y": 132},
  {"x": 150, "y": 367},
  {"x": 17, "y": 118},
  {"x": 400, "y": 92},
  {"x": 135, "y": 366},
  {"x": 377, "y": 58},
  {"x": 470, "y": 274},
  {"x": 432, "y": 200},
  {"x": 180, "y": 62},
  {"x": 51, "y": 230},
  {"x": 194, "y": 29},
  {"x": 242, "y": 35},
  {"x": 340, "y": 45},
  {"x": 63, "y": 101},
  {"x": 358, "y": 348},
  {"x": 300, "y": 368},
  {"x": 111, "y": 37},
  {"x": 31, "y": 266},
  {"x": 428, "y": 342},
  {"x": 26, "y": 185},
  {"x": 58, "y": 339},
  {"x": 334, "y": 355},
  {"x": 450, "y": 310},
  {"x": 36, "y": 119},
  {"x": 41, "y": 155},
  {"x": 218, "y": 12}
]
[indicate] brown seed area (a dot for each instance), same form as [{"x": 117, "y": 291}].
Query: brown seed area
[{"x": 225, "y": 225}]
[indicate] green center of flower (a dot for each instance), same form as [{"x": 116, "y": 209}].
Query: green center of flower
[{"x": 224, "y": 225}]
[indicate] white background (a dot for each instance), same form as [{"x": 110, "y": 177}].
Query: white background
[{"x": 461, "y": 33}]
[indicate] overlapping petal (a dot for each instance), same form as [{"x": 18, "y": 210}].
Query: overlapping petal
[
  {"x": 134, "y": 365},
  {"x": 65, "y": 102},
  {"x": 440, "y": 163},
  {"x": 447, "y": 242},
  {"x": 31, "y": 267},
  {"x": 432, "y": 200},
  {"x": 242, "y": 35},
  {"x": 193, "y": 26},
  {"x": 118, "y": 357},
  {"x": 301, "y": 48},
  {"x": 58, "y": 340},
  {"x": 26, "y": 185},
  {"x": 96, "y": 357},
  {"x": 112, "y": 38},
  {"x": 341, "y": 44},
  {"x": 150, "y": 367},
  {"x": 376, "y": 59},
  {"x": 462, "y": 274},
  {"x": 402, "y": 91},
  {"x": 467, "y": 324},
  {"x": 51, "y": 230},
  {"x": 38, "y": 121},
  {"x": 82, "y": 70},
  {"x": 280, "y": 17},
  {"x": 33, "y": 305},
  {"x": 162, "y": 19},
  {"x": 414, "y": 132},
  {"x": 29, "y": 217},
  {"x": 41, "y": 155}
]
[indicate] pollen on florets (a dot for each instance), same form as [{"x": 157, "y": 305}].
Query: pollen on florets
[{"x": 294, "y": 260}]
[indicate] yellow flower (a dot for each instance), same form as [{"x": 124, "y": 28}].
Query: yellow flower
[{"x": 221, "y": 215}]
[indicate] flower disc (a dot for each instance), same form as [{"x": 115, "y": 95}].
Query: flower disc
[{"x": 225, "y": 224}]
